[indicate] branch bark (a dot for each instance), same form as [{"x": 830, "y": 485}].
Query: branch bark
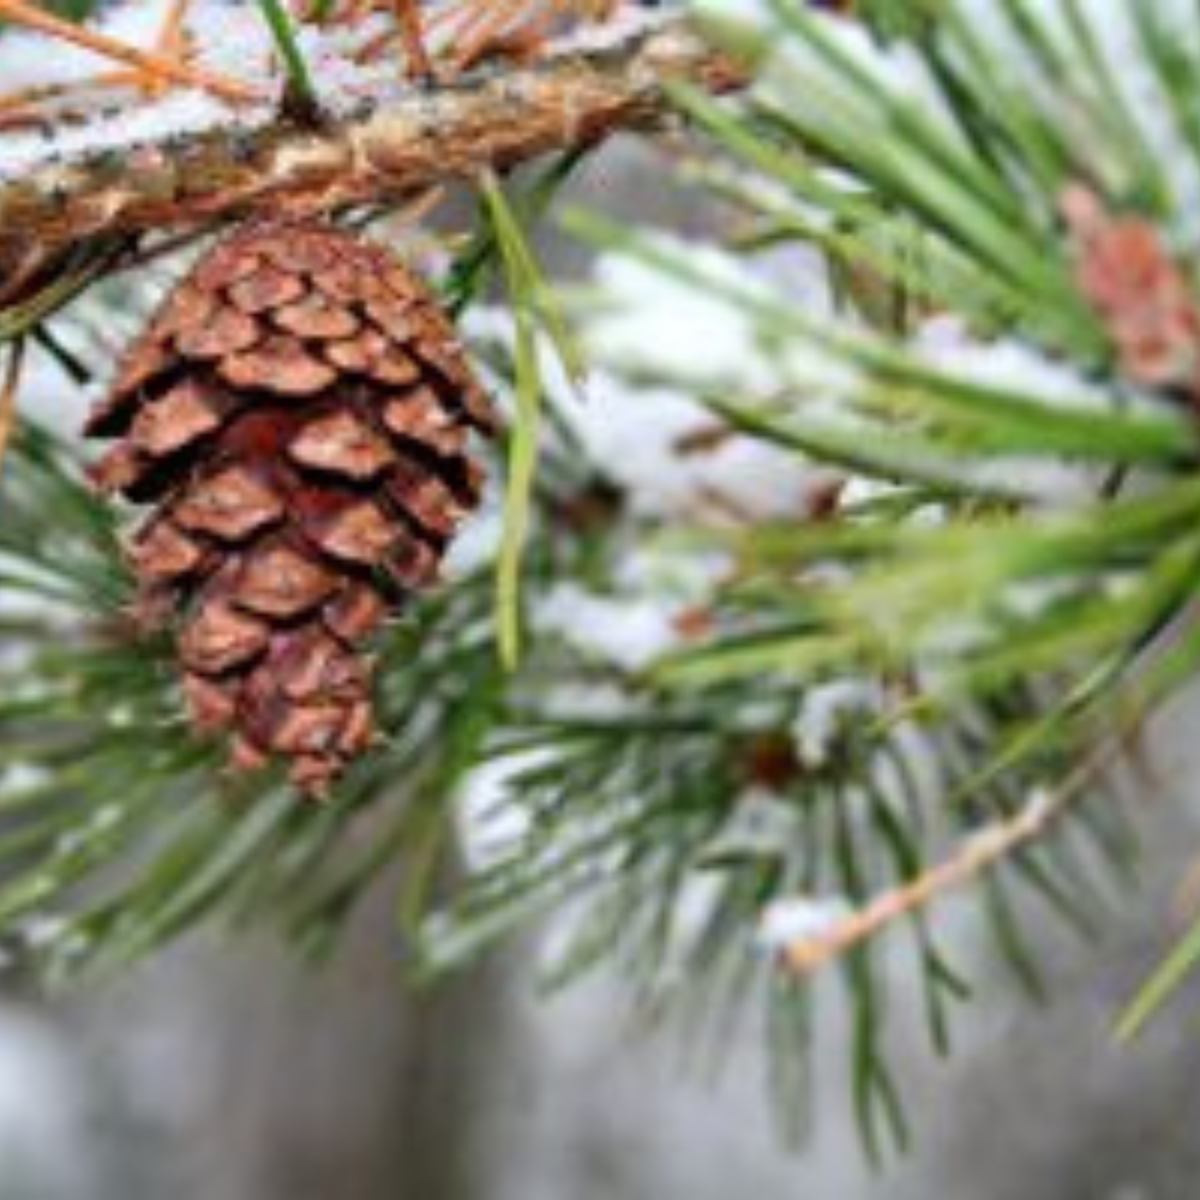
[{"x": 495, "y": 119}]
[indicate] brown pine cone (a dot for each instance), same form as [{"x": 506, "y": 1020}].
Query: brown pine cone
[{"x": 298, "y": 414}]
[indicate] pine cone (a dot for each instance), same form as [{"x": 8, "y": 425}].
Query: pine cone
[{"x": 298, "y": 414}]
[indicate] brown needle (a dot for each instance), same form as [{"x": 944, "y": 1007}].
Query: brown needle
[
  {"x": 412, "y": 33},
  {"x": 27, "y": 14}
]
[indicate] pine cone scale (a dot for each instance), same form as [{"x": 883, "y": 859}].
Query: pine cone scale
[
  {"x": 230, "y": 505},
  {"x": 170, "y": 424},
  {"x": 342, "y": 442}
]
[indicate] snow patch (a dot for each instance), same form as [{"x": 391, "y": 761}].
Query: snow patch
[
  {"x": 783, "y": 923},
  {"x": 628, "y": 632}
]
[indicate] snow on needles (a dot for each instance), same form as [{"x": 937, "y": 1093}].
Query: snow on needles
[{"x": 1118, "y": 29}]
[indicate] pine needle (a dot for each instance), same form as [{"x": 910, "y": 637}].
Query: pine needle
[
  {"x": 523, "y": 444},
  {"x": 8, "y": 396},
  {"x": 299, "y": 79},
  {"x": 1162, "y": 986}
]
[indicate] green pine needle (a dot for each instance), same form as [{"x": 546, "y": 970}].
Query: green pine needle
[
  {"x": 300, "y": 81},
  {"x": 535, "y": 313}
]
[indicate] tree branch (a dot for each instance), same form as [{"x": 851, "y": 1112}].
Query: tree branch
[
  {"x": 495, "y": 119},
  {"x": 982, "y": 852}
]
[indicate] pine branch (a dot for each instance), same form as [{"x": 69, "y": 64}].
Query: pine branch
[
  {"x": 454, "y": 130},
  {"x": 983, "y": 851}
]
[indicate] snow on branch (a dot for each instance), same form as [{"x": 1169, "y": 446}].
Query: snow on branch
[{"x": 585, "y": 90}]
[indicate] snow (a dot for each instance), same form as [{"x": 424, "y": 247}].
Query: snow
[
  {"x": 30, "y": 60},
  {"x": 1006, "y": 363},
  {"x": 651, "y": 324},
  {"x": 41, "y": 932},
  {"x": 660, "y": 345},
  {"x": 640, "y": 437},
  {"x": 20, "y": 777},
  {"x": 488, "y": 824},
  {"x": 651, "y": 318},
  {"x": 824, "y": 713},
  {"x": 639, "y": 434},
  {"x": 783, "y": 923},
  {"x": 238, "y": 45},
  {"x": 627, "y": 632},
  {"x": 629, "y": 21}
]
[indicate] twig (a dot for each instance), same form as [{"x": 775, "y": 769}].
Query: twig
[
  {"x": 21, "y": 12},
  {"x": 494, "y": 119},
  {"x": 982, "y": 852},
  {"x": 172, "y": 40},
  {"x": 412, "y": 35}
]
